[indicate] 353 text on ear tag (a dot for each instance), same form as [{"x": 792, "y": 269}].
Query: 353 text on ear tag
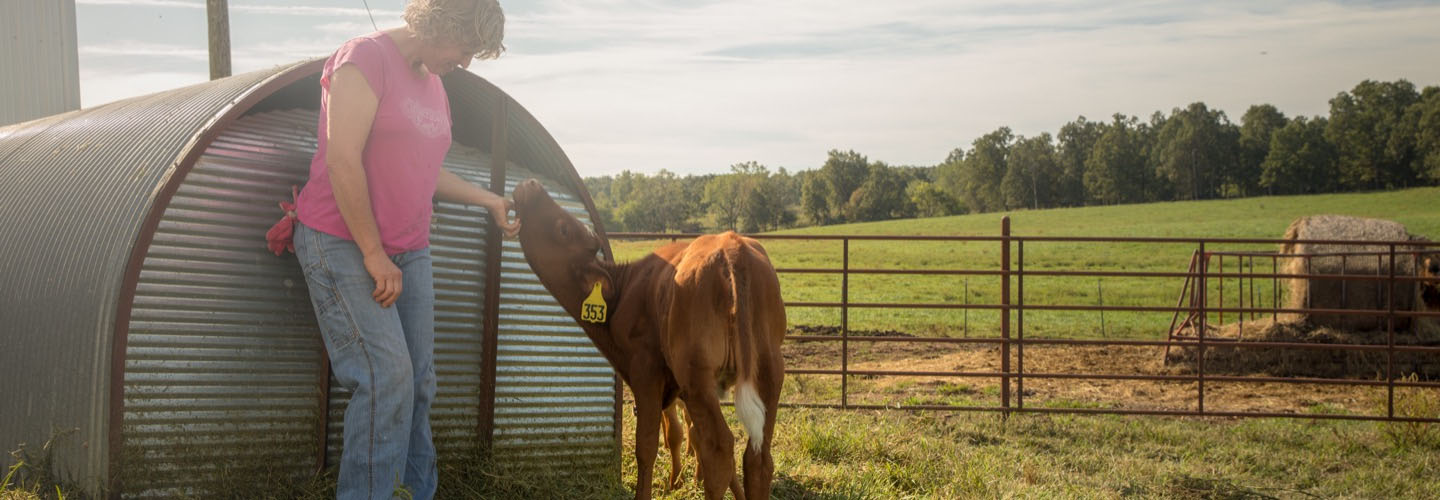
[{"x": 593, "y": 309}]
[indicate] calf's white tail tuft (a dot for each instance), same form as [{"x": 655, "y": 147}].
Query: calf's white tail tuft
[{"x": 751, "y": 412}]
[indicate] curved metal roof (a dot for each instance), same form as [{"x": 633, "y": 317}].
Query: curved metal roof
[{"x": 82, "y": 194}]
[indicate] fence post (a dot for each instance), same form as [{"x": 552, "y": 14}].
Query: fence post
[
  {"x": 1204, "y": 314},
  {"x": 1251, "y": 270},
  {"x": 1390, "y": 335},
  {"x": 1005, "y": 316},
  {"x": 1020, "y": 325},
  {"x": 1100, "y": 291},
  {"x": 845, "y": 324},
  {"x": 1274, "y": 288},
  {"x": 1239, "y": 295}
]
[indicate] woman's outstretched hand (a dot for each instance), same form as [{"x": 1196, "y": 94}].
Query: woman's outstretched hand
[{"x": 502, "y": 215}]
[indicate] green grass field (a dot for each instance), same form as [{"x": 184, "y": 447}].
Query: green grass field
[
  {"x": 830, "y": 454},
  {"x": 1262, "y": 218},
  {"x": 835, "y": 454}
]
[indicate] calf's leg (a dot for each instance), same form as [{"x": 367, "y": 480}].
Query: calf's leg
[
  {"x": 647, "y": 437},
  {"x": 759, "y": 465},
  {"x": 714, "y": 444},
  {"x": 674, "y": 438}
]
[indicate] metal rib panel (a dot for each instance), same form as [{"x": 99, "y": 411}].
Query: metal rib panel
[
  {"x": 76, "y": 190},
  {"x": 554, "y": 392},
  {"x": 223, "y": 361},
  {"x": 39, "y": 37}
]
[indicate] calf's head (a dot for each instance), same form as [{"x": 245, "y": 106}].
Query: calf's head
[
  {"x": 560, "y": 249},
  {"x": 1429, "y": 286}
]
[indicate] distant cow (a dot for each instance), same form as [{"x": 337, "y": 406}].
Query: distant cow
[
  {"x": 690, "y": 320},
  {"x": 1430, "y": 288}
]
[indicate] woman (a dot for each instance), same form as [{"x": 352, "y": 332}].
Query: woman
[{"x": 363, "y": 237}]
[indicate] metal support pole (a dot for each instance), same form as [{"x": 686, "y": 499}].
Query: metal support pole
[
  {"x": 1239, "y": 294},
  {"x": 1344, "y": 284},
  {"x": 965, "y": 324},
  {"x": 1251, "y": 269},
  {"x": 322, "y": 428},
  {"x": 1100, "y": 291},
  {"x": 1390, "y": 336},
  {"x": 845, "y": 325},
  {"x": 1204, "y": 313},
  {"x": 1020, "y": 325},
  {"x": 1005, "y": 315},
  {"x": 490, "y": 334},
  {"x": 1310, "y": 286},
  {"x": 1274, "y": 288}
]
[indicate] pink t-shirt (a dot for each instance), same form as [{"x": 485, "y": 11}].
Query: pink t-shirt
[{"x": 403, "y": 154}]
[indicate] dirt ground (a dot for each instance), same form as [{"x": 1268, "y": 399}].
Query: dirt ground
[{"x": 1118, "y": 360}]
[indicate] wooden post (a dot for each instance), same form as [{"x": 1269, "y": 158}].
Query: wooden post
[{"x": 218, "y": 13}]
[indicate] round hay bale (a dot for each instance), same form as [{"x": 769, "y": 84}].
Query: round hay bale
[{"x": 1348, "y": 259}]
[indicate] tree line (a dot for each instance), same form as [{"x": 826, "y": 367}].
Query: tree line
[{"x": 1378, "y": 135}]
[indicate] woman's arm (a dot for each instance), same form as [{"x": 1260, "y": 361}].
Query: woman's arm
[
  {"x": 351, "y": 110},
  {"x": 454, "y": 189}
]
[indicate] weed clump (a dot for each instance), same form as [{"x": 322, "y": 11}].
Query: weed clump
[
  {"x": 1413, "y": 402},
  {"x": 33, "y": 475}
]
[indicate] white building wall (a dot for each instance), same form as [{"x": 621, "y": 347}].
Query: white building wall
[{"x": 39, "y": 67}]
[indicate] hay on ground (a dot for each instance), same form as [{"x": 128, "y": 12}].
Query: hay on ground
[{"x": 1224, "y": 352}]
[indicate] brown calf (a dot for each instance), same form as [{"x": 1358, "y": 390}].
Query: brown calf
[{"x": 690, "y": 320}]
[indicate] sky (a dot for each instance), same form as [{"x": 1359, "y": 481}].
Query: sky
[{"x": 694, "y": 86}]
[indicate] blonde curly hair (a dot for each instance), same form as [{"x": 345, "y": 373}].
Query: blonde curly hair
[{"x": 476, "y": 25}]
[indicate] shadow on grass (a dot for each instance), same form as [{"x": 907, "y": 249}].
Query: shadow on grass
[
  {"x": 787, "y": 487},
  {"x": 1190, "y": 487}
]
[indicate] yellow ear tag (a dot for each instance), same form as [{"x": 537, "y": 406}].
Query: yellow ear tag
[{"x": 593, "y": 309}]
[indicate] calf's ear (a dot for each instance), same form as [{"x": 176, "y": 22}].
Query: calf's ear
[{"x": 592, "y": 272}]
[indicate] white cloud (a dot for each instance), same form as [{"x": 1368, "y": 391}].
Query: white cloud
[
  {"x": 300, "y": 10},
  {"x": 292, "y": 10},
  {"x": 908, "y": 82},
  {"x": 344, "y": 28},
  {"x": 121, "y": 85},
  {"x": 129, "y": 48},
  {"x": 187, "y": 4},
  {"x": 694, "y": 87}
]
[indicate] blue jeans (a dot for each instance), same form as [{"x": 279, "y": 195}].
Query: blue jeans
[{"x": 385, "y": 357}]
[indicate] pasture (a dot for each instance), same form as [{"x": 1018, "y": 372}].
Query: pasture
[
  {"x": 835, "y": 454},
  {"x": 1261, "y": 218},
  {"x": 893, "y": 454},
  {"x": 863, "y": 454}
]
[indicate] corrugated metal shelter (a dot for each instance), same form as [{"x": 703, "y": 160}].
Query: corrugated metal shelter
[
  {"x": 39, "y": 59},
  {"x": 142, "y": 316}
]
